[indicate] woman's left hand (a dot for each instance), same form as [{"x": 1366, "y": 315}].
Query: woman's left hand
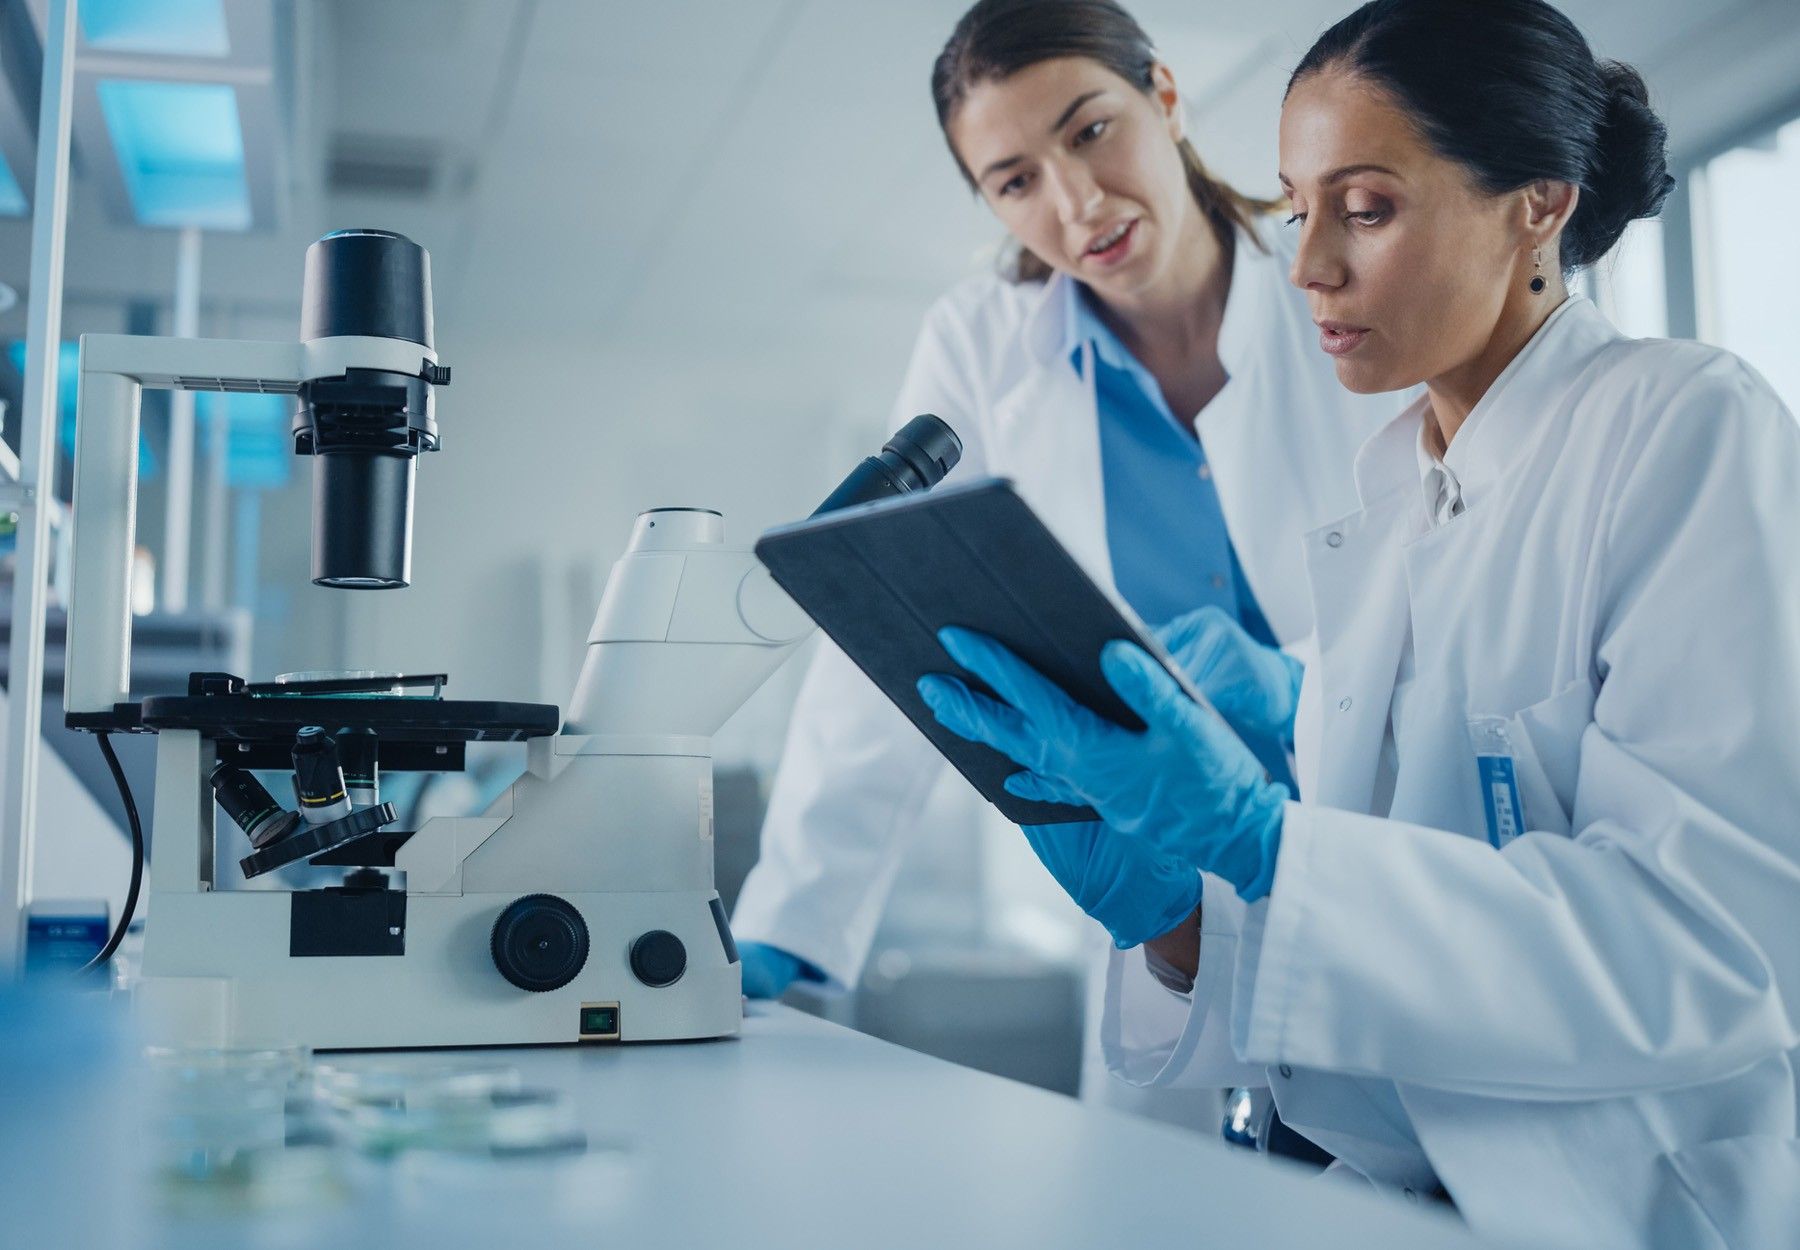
[{"x": 1186, "y": 783}]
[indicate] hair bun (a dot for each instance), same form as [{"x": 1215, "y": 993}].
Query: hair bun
[{"x": 1630, "y": 178}]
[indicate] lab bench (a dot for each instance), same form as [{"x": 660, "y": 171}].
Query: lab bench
[{"x": 801, "y": 1133}]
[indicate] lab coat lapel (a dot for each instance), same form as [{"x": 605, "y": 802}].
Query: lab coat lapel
[
  {"x": 1508, "y": 421},
  {"x": 1505, "y": 428},
  {"x": 1357, "y": 571},
  {"x": 1255, "y": 422},
  {"x": 1047, "y": 437}
]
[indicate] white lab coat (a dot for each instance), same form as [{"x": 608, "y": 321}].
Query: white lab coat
[
  {"x": 1564, "y": 1031},
  {"x": 990, "y": 359}
]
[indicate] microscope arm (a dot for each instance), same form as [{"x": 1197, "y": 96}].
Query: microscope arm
[{"x": 114, "y": 370}]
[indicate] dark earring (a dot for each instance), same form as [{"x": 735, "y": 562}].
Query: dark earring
[{"x": 1537, "y": 279}]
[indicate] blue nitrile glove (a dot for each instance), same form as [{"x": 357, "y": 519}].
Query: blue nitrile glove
[
  {"x": 1255, "y": 688},
  {"x": 1186, "y": 784},
  {"x": 1120, "y": 881},
  {"x": 769, "y": 970}
]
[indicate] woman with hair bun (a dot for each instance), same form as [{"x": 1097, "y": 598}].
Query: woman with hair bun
[{"x": 1527, "y": 941}]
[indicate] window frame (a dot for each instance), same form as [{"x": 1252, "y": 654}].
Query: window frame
[{"x": 1687, "y": 276}]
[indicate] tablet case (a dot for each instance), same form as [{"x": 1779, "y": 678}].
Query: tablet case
[{"x": 881, "y": 579}]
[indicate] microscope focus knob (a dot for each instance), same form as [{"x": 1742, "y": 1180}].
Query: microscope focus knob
[
  {"x": 658, "y": 958},
  {"x": 540, "y": 942}
]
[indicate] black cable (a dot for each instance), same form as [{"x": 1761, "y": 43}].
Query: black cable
[{"x": 137, "y": 856}]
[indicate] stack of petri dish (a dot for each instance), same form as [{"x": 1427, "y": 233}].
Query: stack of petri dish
[
  {"x": 385, "y": 1109},
  {"x": 238, "y": 1128}
]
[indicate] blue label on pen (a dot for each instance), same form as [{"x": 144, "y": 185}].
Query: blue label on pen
[{"x": 1500, "y": 796}]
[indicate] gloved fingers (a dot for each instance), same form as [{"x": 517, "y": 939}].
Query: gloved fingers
[
  {"x": 1030, "y": 785},
  {"x": 1145, "y": 686},
  {"x": 980, "y": 719},
  {"x": 1012, "y": 679},
  {"x": 1196, "y": 636},
  {"x": 1295, "y": 672}
]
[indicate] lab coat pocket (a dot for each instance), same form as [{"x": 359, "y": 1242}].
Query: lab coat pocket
[{"x": 1529, "y": 761}]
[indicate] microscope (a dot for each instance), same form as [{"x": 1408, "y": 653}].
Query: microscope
[{"x": 580, "y": 906}]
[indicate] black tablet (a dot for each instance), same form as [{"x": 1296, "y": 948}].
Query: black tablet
[{"x": 881, "y": 579}]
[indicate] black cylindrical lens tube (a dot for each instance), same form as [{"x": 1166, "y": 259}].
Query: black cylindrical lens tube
[
  {"x": 362, "y": 519},
  {"x": 358, "y": 752},
  {"x": 371, "y": 283},
  {"x": 917, "y": 458},
  {"x": 252, "y": 808},
  {"x": 319, "y": 778}
]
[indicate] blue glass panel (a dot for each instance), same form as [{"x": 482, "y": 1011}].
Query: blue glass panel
[
  {"x": 12, "y": 195},
  {"x": 159, "y": 27},
  {"x": 68, "y": 377},
  {"x": 181, "y": 151},
  {"x": 259, "y": 441}
]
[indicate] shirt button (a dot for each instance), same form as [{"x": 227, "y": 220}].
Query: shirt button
[
  {"x": 1286, "y": 1072},
  {"x": 1206, "y": 473},
  {"x": 1344, "y": 704},
  {"x": 1334, "y": 539},
  {"x": 1218, "y": 581}
]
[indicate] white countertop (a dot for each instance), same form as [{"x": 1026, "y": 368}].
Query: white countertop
[{"x": 804, "y": 1134}]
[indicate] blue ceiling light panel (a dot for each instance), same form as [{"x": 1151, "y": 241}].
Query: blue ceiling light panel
[
  {"x": 156, "y": 27},
  {"x": 181, "y": 151}
]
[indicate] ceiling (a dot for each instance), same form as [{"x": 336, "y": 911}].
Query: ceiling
[
  {"x": 756, "y": 169},
  {"x": 767, "y": 170}
]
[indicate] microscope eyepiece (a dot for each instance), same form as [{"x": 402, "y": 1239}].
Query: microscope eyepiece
[
  {"x": 916, "y": 458},
  {"x": 371, "y": 283},
  {"x": 365, "y": 428}
]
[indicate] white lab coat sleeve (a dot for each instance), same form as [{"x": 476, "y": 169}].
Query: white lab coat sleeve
[
  {"x": 1152, "y": 1036},
  {"x": 855, "y": 774},
  {"x": 1656, "y": 947}
]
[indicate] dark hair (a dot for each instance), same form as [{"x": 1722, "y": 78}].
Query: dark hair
[
  {"x": 997, "y": 38},
  {"x": 1510, "y": 90}
]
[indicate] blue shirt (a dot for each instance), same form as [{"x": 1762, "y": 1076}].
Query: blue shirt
[{"x": 1165, "y": 531}]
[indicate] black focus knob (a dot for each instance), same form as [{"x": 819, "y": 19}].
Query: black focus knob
[
  {"x": 658, "y": 958},
  {"x": 540, "y": 942}
]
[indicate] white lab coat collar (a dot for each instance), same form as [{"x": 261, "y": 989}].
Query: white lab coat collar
[
  {"x": 1050, "y": 332},
  {"x": 1498, "y": 429},
  {"x": 1254, "y": 271},
  {"x": 1048, "y": 326}
]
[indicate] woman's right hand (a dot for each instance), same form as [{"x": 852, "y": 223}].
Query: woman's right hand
[{"x": 1255, "y": 688}]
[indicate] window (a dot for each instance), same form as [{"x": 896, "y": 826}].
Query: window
[
  {"x": 1747, "y": 258},
  {"x": 1628, "y": 282}
]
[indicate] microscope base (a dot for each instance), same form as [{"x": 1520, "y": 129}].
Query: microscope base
[{"x": 218, "y": 972}]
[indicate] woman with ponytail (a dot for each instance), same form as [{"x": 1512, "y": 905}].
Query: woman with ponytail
[{"x": 1142, "y": 370}]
